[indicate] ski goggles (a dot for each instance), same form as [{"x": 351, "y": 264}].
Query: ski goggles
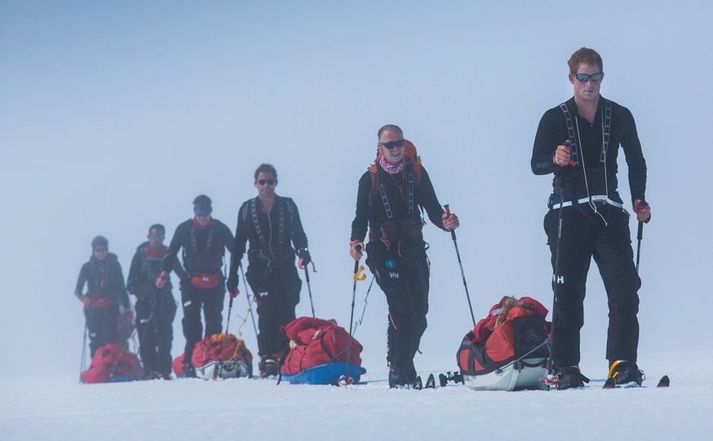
[
  {"x": 264, "y": 182},
  {"x": 392, "y": 144},
  {"x": 584, "y": 78}
]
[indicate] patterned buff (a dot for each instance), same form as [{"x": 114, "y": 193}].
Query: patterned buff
[{"x": 391, "y": 169}]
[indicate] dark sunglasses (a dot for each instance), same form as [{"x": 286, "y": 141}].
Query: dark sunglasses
[
  {"x": 393, "y": 144},
  {"x": 595, "y": 77},
  {"x": 269, "y": 182},
  {"x": 100, "y": 250}
]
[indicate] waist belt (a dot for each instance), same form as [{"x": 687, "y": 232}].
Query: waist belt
[{"x": 554, "y": 203}]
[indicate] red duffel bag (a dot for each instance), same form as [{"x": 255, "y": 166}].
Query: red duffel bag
[
  {"x": 314, "y": 342},
  {"x": 112, "y": 363}
]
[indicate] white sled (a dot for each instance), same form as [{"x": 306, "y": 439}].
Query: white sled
[
  {"x": 524, "y": 374},
  {"x": 223, "y": 369}
]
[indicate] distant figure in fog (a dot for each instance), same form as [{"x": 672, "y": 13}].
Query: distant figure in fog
[
  {"x": 155, "y": 307},
  {"x": 106, "y": 297}
]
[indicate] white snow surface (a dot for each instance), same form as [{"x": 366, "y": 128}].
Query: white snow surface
[{"x": 244, "y": 409}]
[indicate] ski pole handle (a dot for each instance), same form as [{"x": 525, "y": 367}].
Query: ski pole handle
[
  {"x": 356, "y": 262},
  {"x": 447, "y": 208}
]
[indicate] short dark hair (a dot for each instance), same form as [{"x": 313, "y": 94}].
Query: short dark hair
[
  {"x": 266, "y": 168},
  {"x": 390, "y": 127},
  {"x": 584, "y": 55},
  {"x": 100, "y": 241},
  {"x": 158, "y": 227}
]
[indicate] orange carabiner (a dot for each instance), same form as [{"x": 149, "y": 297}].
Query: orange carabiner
[{"x": 359, "y": 276}]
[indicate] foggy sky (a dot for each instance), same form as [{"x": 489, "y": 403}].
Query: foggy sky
[{"x": 115, "y": 117}]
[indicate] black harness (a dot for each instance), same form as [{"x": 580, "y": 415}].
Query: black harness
[
  {"x": 411, "y": 197},
  {"x": 573, "y": 135}
]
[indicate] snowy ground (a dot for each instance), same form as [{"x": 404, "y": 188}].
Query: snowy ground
[{"x": 244, "y": 409}]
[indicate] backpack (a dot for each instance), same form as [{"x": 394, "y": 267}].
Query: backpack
[
  {"x": 315, "y": 342},
  {"x": 111, "y": 363},
  {"x": 515, "y": 329}
]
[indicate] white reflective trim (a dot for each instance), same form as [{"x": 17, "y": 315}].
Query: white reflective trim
[{"x": 595, "y": 198}]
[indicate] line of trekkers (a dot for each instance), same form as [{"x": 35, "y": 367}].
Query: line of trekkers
[{"x": 577, "y": 141}]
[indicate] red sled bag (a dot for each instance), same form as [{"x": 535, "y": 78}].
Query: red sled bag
[
  {"x": 314, "y": 342},
  {"x": 111, "y": 363},
  {"x": 178, "y": 365},
  {"x": 514, "y": 329},
  {"x": 219, "y": 355}
]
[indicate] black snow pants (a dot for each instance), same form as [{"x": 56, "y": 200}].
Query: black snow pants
[
  {"x": 154, "y": 324},
  {"x": 402, "y": 272},
  {"x": 194, "y": 300},
  {"x": 585, "y": 235},
  {"x": 102, "y": 325},
  {"x": 277, "y": 294}
]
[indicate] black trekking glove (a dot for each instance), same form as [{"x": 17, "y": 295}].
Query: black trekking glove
[{"x": 305, "y": 258}]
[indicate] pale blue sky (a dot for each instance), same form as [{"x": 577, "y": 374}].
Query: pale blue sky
[{"x": 114, "y": 115}]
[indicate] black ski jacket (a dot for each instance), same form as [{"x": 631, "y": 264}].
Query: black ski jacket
[
  {"x": 271, "y": 236},
  {"x": 203, "y": 248},
  {"x": 145, "y": 269},
  {"x": 371, "y": 210},
  {"x": 105, "y": 278},
  {"x": 570, "y": 181}
]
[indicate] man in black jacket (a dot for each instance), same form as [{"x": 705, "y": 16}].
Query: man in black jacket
[
  {"x": 579, "y": 141},
  {"x": 106, "y": 296},
  {"x": 272, "y": 225},
  {"x": 204, "y": 241},
  {"x": 390, "y": 195},
  {"x": 155, "y": 308}
]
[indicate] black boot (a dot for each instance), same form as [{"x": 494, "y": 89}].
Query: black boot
[
  {"x": 188, "y": 370},
  {"x": 269, "y": 367},
  {"x": 411, "y": 372},
  {"x": 622, "y": 373},
  {"x": 569, "y": 377}
]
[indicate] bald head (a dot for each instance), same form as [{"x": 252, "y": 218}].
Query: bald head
[{"x": 393, "y": 128}]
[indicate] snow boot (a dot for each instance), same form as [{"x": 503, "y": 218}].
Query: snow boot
[
  {"x": 411, "y": 373},
  {"x": 268, "y": 367},
  {"x": 569, "y": 377},
  {"x": 397, "y": 377},
  {"x": 624, "y": 373},
  {"x": 189, "y": 371},
  {"x": 401, "y": 376},
  {"x": 152, "y": 375}
]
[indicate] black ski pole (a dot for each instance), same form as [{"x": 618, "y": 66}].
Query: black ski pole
[
  {"x": 639, "y": 236},
  {"x": 555, "y": 275},
  {"x": 356, "y": 279},
  {"x": 230, "y": 309},
  {"x": 309, "y": 290},
  {"x": 347, "y": 377},
  {"x": 250, "y": 303},
  {"x": 460, "y": 263}
]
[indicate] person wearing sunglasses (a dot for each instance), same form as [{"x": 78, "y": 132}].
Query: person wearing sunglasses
[
  {"x": 203, "y": 240},
  {"x": 578, "y": 141},
  {"x": 390, "y": 199},
  {"x": 106, "y": 297},
  {"x": 272, "y": 225},
  {"x": 155, "y": 307}
]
